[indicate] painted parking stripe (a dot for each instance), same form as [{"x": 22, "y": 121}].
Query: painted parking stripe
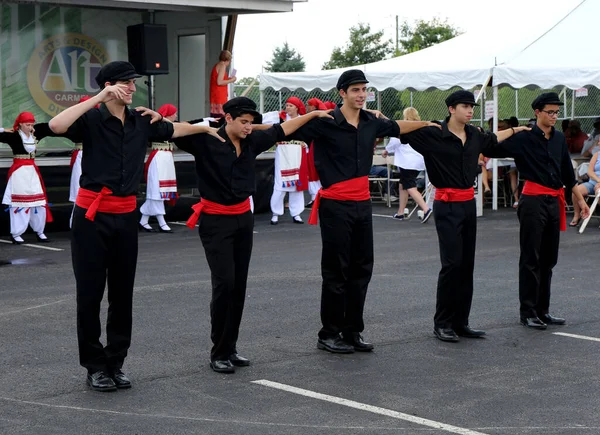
[
  {"x": 581, "y": 337},
  {"x": 184, "y": 224},
  {"x": 31, "y": 245},
  {"x": 368, "y": 408}
]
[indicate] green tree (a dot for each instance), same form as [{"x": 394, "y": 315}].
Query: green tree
[
  {"x": 423, "y": 34},
  {"x": 285, "y": 59},
  {"x": 363, "y": 47}
]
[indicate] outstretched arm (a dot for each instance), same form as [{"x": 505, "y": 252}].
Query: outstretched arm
[
  {"x": 181, "y": 129},
  {"x": 61, "y": 122},
  {"x": 292, "y": 125},
  {"x": 408, "y": 126}
]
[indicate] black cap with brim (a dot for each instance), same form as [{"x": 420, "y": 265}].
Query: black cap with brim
[
  {"x": 116, "y": 71},
  {"x": 242, "y": 105},
  {"x": 546, "y": 98},
  {"x": 351, "y": 77},
  {"x": 461, "y": 97}
]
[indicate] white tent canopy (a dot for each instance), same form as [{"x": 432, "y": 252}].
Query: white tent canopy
[
  {"x": 532, "y": 53},
  {"x": 565, "y": 55}
]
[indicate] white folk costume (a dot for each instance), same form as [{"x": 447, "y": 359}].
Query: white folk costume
[
  {"x": 291, "y": 177},
  {"x": 25, "y": 194},
  {"x": 161, "y": 181},
  {"x": 291, "y": 172}
]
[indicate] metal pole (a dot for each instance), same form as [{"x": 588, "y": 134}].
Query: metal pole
[
  {"x": 280, "y": 104},
  {"x": 151, "y": 92},
  {"x": 495, "y": 161},
  {"x": 262, "y": 101},
  {"x": 411, "y": 99},
  {"x": 573, "y": 104},
  {"x": 517, "y": 103},
  {"x": 379, "y": 103}
]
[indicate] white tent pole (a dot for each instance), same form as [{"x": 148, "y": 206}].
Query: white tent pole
[
  {"x": 379, "y": 101},
  {"x": 280, "y": 104},
  {"x": 495, "y": 161},
  {"x": 517, "y": 103},
  {"x": 262, "y": 101},
  {"x": 411, "y": 99},
  {"x": 573, "y": 104}
]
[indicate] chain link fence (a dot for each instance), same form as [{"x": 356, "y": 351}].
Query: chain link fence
[{"x": 583, "y": 104}]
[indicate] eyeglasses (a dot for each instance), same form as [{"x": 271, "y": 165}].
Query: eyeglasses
[{"x": 552, "y": 112}]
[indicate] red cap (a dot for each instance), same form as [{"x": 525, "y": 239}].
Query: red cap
[
  {"x": 167, "y": 110},
  {"x": 23, "y": 118},
  {"x": 315, "y": 102},
  {"x": 299, "y": 104},
  {"x": 330, "y": 105}
]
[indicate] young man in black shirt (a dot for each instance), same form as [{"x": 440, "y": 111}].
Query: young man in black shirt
[
  {"x": 451, "y": 158},
  {"x": 226, "y": 179},
  {"x": 542, "y": 158},
  {"x": 105, "y": 235},
  {"x": 343, "y": 159}
]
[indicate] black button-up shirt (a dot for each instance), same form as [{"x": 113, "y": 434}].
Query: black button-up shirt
[
  {"x": 450, "y": 164},
  {"x": 342, "y": 151},
  {"x": 15, "y": 142},
  {"x": 543, "y": 161},
  {"x": 113, "y": 152},
  {"x": 223, "y": 176}
]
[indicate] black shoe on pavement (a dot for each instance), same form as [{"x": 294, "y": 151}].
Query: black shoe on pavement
[
  {"x": 100, "y": 381},
  {"x": 468, "y": 332},
  {"x": 121, "y": 381},
  {"x": 533, "y": 322},
  {"x": 427, "y": 215},
  {"x": 222, "y": 366},
  {"x": 355, "y": 340},
  {"x": 446, "y": 334},
  {"x": 239, "y": 361},
  {"x": 549, "y": 319},
  {"x": 334, "y": 345}
]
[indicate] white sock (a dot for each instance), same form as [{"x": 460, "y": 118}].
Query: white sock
[
  {"x": 42, "y": 236},
  {"x": 161, "y": 220},
  {"x": 144, "y": 220},
  {"x": 275, "y": 218},
  {"x": 18, "y": 238}
]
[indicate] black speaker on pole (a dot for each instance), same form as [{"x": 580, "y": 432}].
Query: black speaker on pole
[{"x": 147, "y": 47}]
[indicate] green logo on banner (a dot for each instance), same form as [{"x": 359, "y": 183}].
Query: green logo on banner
[{"x": 62, "y": 69}]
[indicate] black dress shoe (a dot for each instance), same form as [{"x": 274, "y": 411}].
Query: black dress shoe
[
  {"x": 533, "y": 322},
  {"x": 16, "y": 242},
  {"x": 548, "y": 319},
  {"x": 239, "y": 361},
  {"x": 222, "y": 366},
  {"x": 147, "y": 229},
  {"x": 355, "y": 340},
  {"x": 100, "y": 381},
  {"x": 165, "y": 231},
  {"x": 334, "y": 345},
  {"x": 446, "y": 334},
  {"x": 121, "y": 381},
  {"x": 467, "y": 331},
  {"x": 39, "y": 239},
  {"x": 310, "y": 204}
]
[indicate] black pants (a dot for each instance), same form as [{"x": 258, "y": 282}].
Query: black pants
[
  {"x": 227, "y": 241},
  {"x": 346, "y": 264},
  {"x": 456, "y": 224},
  {"x": 539, "y": 217},
  {"x": 104, "y": 251}
]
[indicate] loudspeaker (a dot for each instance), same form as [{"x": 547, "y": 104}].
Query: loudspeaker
[{"x": 147, "y": 47}]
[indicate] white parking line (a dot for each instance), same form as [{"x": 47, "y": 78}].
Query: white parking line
[
  {"x": 183, "y": 224},
  {"x": 32, "y": 308},
  {"x": 581, "y": 337},
  {"x": 368, "y": 408},
  {"x": 31, "y": 245},
  {"x": 383, "y": 215}
]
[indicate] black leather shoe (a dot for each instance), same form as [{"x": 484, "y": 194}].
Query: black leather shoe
[
  {"x": 446, "y": 334},
  {"x": 100, "y": 381},
  {"x": 17, "y": 242},
  {"x": 355, "y": 340},
  {"x": 239, "y": 361},
  {"x": 310, "y": 204},
  {"x": 467, "y": 331},
  {"x": 160, "y": 229},
  {"x": 147, "y": 229},
  {"x": 533, "y": 322},
  {"x": 334, "y": 345},
  {"x": 121, "y": 381},
  {"x": 222, "y": 366},
  {"x": 39, "y": 239},
  {"x": 549, "y": 319}
]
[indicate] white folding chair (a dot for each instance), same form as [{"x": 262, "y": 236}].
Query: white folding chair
[{"x": 379, "y": 160}]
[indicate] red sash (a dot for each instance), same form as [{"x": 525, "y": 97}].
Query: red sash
[
  {"x": 312, "y": 170},
  {"x": 147, "y": 165},
  {"x": 104, "y": 202},
  {"x": 354, "y": 189},
  {"x": 17, "y": 163},
  {"x": 74, "y": 158},
  {"x": 533, "y": 189},
  {"x": 210, "y": 207},
  {"x": 454, "y": 195}
]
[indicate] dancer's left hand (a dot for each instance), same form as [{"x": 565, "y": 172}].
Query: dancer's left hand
[{"x": 147, "y": 112}]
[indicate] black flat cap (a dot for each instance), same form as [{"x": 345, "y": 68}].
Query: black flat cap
[
  {"x": 351, "y": 77},
  {"x": 458, "y": 97},
  {"x": 241, "y": 105},
  {"x": 116, "y": 71},
  {"x": 597, "y": 123},
  {"x": 546, "y": 98}
]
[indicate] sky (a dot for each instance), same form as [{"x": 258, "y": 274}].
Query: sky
[{"x": 316, "y": 27}]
